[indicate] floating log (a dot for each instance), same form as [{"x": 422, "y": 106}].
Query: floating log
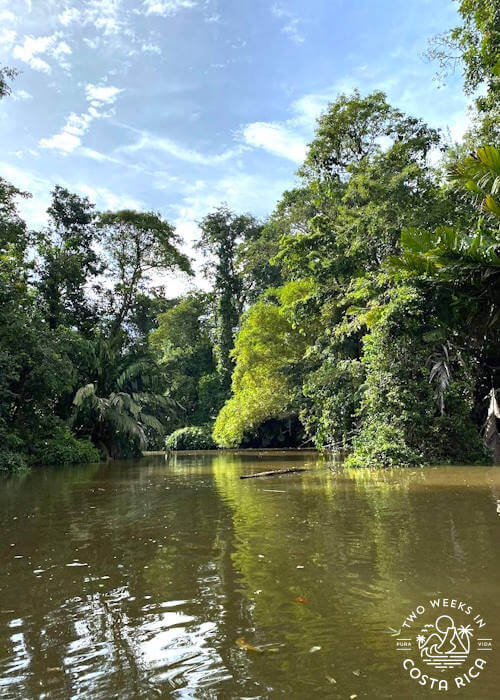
[{"x": 274, "y": 472}]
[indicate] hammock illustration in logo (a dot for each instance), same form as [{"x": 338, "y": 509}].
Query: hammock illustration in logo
[{"x": 444, "y": 646}]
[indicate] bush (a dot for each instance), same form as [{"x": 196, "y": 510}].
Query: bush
[
  {"x": 64, "y": 448},
  {"x": 384, "y": 446},
  {"x": 12, "y": 463},
  {"x": 191, "y": 438}
]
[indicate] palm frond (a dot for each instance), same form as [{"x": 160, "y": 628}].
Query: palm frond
[{"x": 84, "y": 393}]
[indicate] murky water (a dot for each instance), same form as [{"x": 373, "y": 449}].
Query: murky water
[{"x": 154, "y": 579}]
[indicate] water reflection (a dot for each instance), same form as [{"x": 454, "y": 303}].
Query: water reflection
[{"x": 136, "y": 579}]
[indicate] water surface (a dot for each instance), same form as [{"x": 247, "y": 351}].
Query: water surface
[{"x": 135, "y": 580}]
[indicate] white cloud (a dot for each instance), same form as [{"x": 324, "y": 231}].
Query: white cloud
[
  {"x": 106, "y": 199},
  {"x": 70, "y": 14},
  {"x": 292, "y": 30},
  {"x": 104, "y": 15},
  {"x": 77, "y": 125},
  {"x": 105, "y": 94},
  {"x": 151, "y": 48},
  {"x": 275, "y": 138},
  {"x": 166, "y": 7},
  {"x": 30, "y": 50},
  {"x": 59, "y": 52},
  {"x": 292, "y": 26},
  {"x": 7, "y": 37},
  {"x": 33, "y": 210},
  {"x": 289, "y": 138},
  {"x": 21, "y": 96},
  {"x": 7, "y": 16},
  {"x": 150, "y": 142},
  {"x": 458, "y": 124}
]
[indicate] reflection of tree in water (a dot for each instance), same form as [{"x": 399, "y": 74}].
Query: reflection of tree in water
[
  {"x": 371, "y": 544},
  {"x": 184, "y": 558}
]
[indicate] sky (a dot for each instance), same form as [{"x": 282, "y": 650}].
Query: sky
[{"x": 179, "y": 105}]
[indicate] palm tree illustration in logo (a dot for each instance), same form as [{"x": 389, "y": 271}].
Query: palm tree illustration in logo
[{"x": 442, "y": 645}]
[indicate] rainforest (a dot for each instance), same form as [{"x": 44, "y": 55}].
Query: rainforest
[{"x": 361, "y": 317}]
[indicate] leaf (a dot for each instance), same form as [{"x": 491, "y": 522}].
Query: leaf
[
  {"x": 492, "y": 205},
  {"x": 83, "y": 393},
  {"x": 240, "y": 642}
]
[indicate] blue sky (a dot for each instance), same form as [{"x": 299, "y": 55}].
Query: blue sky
[{"x": 178, "y": 105}]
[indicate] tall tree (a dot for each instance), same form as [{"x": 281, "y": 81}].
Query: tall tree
[
  {"x": 221, "y": 232},
  {"x": 184, "y": 343},
  {"x": 475, "y": 45},
  {"x": 136, "y": 246},
  {"x": 68, "y": 261}
]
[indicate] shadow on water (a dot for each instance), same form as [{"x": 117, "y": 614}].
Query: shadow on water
[{"x": 137, "y": 579}]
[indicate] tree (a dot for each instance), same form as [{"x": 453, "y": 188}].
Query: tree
[
  {"x": 136, "y": 246},
  {"x": 221, "y": 231},
  {"x": 183, "y": 341},
  {"x": 125, "y": 400},
  {"x": 269, "y": 354},
  {"x": 68, "y": 261},
  {"x": 462, "y": 268},
  {"x": 474, "y": 44}
]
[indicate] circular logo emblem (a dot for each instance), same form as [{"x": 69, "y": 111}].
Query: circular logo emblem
[{"x": 444, "y": 642}]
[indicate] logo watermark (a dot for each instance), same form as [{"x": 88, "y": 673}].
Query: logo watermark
[{"x": 444, "y": 643}]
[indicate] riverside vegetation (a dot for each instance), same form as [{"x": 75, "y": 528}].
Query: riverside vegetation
[{"x": 362, "y": 315}]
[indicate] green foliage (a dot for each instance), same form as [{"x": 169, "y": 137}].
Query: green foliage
[
  {"x": 125, "y": 401},
  {"x": 67, "y": 261},
  {"x": 269, "y": 350},
  {"x": 383, "y": 446},
  {"x": 477, "y": 40},
  {"x": 136, "y": 244},
  {"x": 365, "y": 311},
  {"x": 61, "y": 447},
  {"x": 474, "y": 44},
  {"x": 221, "y": 232},
  {"x": 183, "y": 341},
  {"x": 400, "y": 417},
  {"x": 191, "y": 438},
  {"x": 12, "y": 463}
]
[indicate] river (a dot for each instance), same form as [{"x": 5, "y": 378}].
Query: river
[{"x": 178, "y": 579}]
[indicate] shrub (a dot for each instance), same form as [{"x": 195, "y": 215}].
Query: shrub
[
  {"x": 12, "y": 463},
  {"x": 384, "y": 446},
  {"x": 64, "y": 448},
  {"x": 191, "y": 438}
]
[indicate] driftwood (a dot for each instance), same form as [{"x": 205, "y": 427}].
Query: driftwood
[{"x": 275, "y": 472}]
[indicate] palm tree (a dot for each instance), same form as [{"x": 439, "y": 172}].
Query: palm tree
[
  {"x": 123, "y": 403},
  {"x": 447, "y": 252}
]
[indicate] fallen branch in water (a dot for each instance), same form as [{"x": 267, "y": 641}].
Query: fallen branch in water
[{"x": 275, "y": 472}]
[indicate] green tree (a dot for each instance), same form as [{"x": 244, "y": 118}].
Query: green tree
[
  {"x": 221, "y": 232},
  {"x": 137, "y": 246},
  {"x": 475, "y": 45},
  {"x": 68, "y": 261},
  {"x": 124, "y": 402},
  {"x": 183, "y": 341},
  {"x": 269, "y": 355}
]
